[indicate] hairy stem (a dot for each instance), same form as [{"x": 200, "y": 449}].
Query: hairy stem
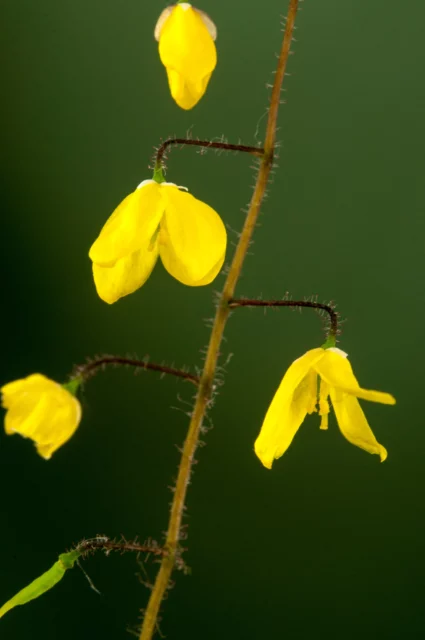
[
  {"x": 159, "y": 162},
  {"x": 103, "y": 543},
  {"x": 333, "y": 329},
  {"x": 85, "y": 371},
  {"x": 206, "y": 384}
]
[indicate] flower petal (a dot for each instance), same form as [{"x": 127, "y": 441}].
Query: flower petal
[
  {"x": 131, "y": 226},
  {"x": 336, "y": 370},
  {"x": 292, "y": 401},
  {"x": 161, "y": 21},
  {"x": 353, "y": 423},
  {"x": 126, "y": 275},
  {"x": 186, "y": 94},
  {"x": 22, "y": 399},
  {"x": 187, "y": 50},
  {"x": 35, "y": 382},
  {"x": 61, "y": 428},
  {"x": 26, "y": 413},
  {"x": 192, "y": 239},
  {"x": 40, "y": 409}
]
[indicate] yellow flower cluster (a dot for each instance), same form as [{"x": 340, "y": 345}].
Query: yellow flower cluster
[
  {"x": 160, "y": 219},
  {"x": 49, "y": 414}
]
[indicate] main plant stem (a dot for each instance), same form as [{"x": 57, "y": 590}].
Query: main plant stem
[{"x": 207, "y": 379}]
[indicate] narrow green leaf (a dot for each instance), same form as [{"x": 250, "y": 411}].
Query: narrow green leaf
[{"x": 42, "y": 584}]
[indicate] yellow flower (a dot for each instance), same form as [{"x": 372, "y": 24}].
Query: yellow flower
[
  {"x": 157, "y": 219},
  {"x": 187, "y": 51},
  {"x": 40, "y": 409},
  {"x": 298, "y": 395}
]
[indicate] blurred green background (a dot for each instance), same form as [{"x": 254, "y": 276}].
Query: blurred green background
[{"x": 330, "y": 542}]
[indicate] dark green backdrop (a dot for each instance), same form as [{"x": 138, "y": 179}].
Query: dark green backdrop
[{"x": 329, "y": 544}]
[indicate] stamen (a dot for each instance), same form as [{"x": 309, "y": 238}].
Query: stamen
[
  {"x": 311, "y": 407},
  {"x": 324, "y": 421},
  {"x": 324, "y": 407}
]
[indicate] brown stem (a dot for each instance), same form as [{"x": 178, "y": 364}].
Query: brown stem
[
  {"x": 256, "y": 151},
  {"x": 103, "y": 543},
  {"x": 205, "y": 388},
  {"x": 333, "y": 315},
  {"x": 84, "y": 371}
]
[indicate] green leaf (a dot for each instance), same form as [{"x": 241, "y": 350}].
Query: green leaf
[{"x": 42, "y": 584}]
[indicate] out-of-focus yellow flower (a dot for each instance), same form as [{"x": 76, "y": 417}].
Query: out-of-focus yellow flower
[
  {"x": 298, "y": 395},
  {"x": 157, "y": 219},
  {"x": 40, "y": 409},
  {"x": 187, "y": 51}
]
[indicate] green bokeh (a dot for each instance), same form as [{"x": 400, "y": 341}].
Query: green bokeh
[{"x": 330, "y": 542}]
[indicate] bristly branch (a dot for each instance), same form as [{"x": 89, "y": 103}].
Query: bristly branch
[
  {"x": 159, "y": 162},
  {"x": 150, "y": 547},
  {"x": 206, "y": 384},
  {"x": 103, "y": 543},
  {"x": 310, "y": 304},
  {"x": 90, "y": 368}
]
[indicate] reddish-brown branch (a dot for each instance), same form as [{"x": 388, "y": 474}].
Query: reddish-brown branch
[
  {"x": 256, "y": 151},
  {"x": 309, "y": 304},
  {"x": 90, "y": 368}
]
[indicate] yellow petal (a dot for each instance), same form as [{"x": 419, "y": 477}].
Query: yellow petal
[
  {"x": 186, "y": 94},
  {"x": 26, "y": 415},
  {"x": 62, "y": 427},
  {"x": 36, "y": 383},
  {"x": 126, "y": 275},
  {"x": 40, "y": 409},
  {"x": 336, "y": 370},
  {"x": 46, "y": 450},
  {"x": 353, "y": 424},
  {"x": 187, "y": 50},
  {"x": 131, "y": 226},
  {"x": 291, "y": 403},
  {"x": 192, "y": 240},
  {"x": 161, "y": 21}
]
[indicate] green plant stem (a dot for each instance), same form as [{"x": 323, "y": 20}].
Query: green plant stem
[{"x": 206, "y": 384}]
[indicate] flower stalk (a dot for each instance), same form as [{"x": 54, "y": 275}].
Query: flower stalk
[
  {"x": 103, "y": 543},
  {"x": 85, "y": 371},
  {"x": 333, "y": 329},
  {"x": 222, "y": 313},
  {"x": 209, "y": 144}
]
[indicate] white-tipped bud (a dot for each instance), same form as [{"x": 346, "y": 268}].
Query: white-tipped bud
[
  {"x": 161, "y": 21},
  {"x": 144, "y": 183},
  {"x": 212, "y": 29},
  {"x": 340, "y": 352}
]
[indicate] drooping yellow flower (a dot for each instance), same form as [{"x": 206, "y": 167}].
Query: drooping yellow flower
[
  {"x": 187, "y": 51},
  {"x": 157, "y": 219},
  {"x": 298, "y": 394},
  {"x": 40, "y": 409}
]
